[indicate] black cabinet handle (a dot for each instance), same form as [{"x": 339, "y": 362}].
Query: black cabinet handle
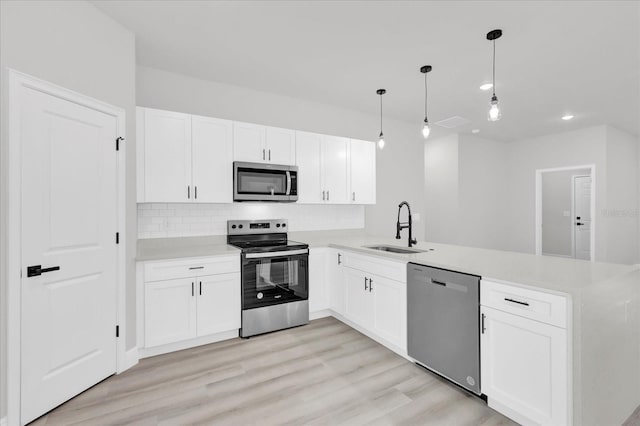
[
  {"x": 269, "y": 154},
  {"x": 339, "y": 259},
  {"x": 482, "y": 324},
  {"x": 365, "y": 284},
  {"x": 195, "y": 192},
  {"x": 188, "y": 191},
  {"x": 193, "y": 292},
  {"x": 196, "y": 267},
  {"x": 200, "y": 288},
  {"x": 516, "y": 301},
  {"x": 37, "y": 270},
  {"x": 370, "y": 285}
]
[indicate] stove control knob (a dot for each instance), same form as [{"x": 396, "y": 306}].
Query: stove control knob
[
  {"x": 233, "y": 226},
  {"x": 240, "y": 226},
  {"x": 260, "y": 295},
  {"x": 277, "y": 225},
  {"x": 284, "y": 225}
]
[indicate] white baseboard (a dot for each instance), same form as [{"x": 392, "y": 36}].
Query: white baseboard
[
  {"x": 3, "y": 421},
  {"x": 319, "y": 314},
  {"x": 185, "y": 344},
  {"x": 131, "y": 358}
]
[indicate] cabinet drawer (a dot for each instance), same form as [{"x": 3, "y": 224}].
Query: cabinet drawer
[
  {"x": 184, "y": 268},
  {"x": 374, "y": 265},
  {"x": 537, "y": 305}
]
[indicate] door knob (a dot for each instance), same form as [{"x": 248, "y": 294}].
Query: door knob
[
  {"x": 37, "y": 270},
  {"x": 579, "y": 223}
]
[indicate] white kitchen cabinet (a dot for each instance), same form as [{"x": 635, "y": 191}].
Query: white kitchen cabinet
[
  {"x": 281, "y": 146},
  {"x": 335, "y": 277},
  {"x": 390, "y": 310},
  {"x": 309, "y": 162},
  {"x": 165, "y": 163},
  {"x": 318, "y": 280},
  {"x": 170, "y": 311},
  {"x": 335, "y": 169},
  {"x": 363, "y": 171},
  {"x": 359, "y": 306},
  {"x": 218, "y": 302},
  {"x": 524, "y": 368},
  {"x": 261, "y": 144},
  {"x": 183, "y": 158},
  {"x": 211, "y": 160}
]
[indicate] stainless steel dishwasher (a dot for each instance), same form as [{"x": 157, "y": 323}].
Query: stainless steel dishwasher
[{"x": 443, "y": 324}]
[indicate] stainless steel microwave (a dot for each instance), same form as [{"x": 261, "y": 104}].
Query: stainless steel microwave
[{"x": 264, "y": 182}]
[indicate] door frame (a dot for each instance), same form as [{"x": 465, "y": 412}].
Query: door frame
[
  {"x": 15, "y": 81},
  {"x": 573, "y": 213},
  {"x": 538, "y": 224}
]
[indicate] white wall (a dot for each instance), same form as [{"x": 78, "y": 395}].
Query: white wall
[
  {"x": 399, "y": 165},
  {"x": 72, "y": 44},
  {"x": 557, "y": 228}
]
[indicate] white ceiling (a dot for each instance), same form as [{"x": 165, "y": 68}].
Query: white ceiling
[{"x": 579, "y": 57}]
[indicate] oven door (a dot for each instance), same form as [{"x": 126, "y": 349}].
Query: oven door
[
  {"x": 274, "y": 278},
  {"x": 264, "y": 182}
]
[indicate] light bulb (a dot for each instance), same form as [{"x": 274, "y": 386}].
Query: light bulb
[
  {"x": 381, "y": 141},
  {"x": 426, "y": 130},
  {"x": 494, "y": 111}
]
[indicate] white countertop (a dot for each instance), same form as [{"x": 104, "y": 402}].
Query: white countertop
[{"x": 557, "y": 274}]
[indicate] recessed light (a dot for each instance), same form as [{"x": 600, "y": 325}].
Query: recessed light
[
  {"x": 567, "y": 117},
  {"x": 474, "y": 131},
  {"x": 486, "y": 86}
]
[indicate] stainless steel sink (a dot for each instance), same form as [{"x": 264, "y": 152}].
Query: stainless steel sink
[{"x": 394, "y": 249}]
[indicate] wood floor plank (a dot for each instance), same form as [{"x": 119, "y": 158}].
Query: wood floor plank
[{"x": 324, "y": 373}]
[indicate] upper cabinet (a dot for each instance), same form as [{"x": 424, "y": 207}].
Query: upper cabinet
[
  {"x": 335, "y": 170},
  {"x": 183, "y": 158},
  {"x": 261, "y": 144},
  {"x": 363, "y": 172}
]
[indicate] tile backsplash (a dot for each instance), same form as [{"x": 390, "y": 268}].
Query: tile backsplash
[{"x": 163, "y": 220}]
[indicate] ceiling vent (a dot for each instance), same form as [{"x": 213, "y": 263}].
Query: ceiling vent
[{"x": 453, "y": 122}]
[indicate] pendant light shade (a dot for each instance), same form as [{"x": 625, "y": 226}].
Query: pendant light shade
[
  {"x": 494, "y": 106},
  {"x": 426, "y": 130},
  {"x": 381, "y": 136}
]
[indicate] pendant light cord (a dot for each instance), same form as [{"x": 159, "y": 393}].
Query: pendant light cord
[
  {"x": 381, "y": 114},
  {"x": 494, "y": 67},
  {"x": 425, "y": 96}
]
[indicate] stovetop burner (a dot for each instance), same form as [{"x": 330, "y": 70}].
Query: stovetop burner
[{"x": 260, "y": 236}]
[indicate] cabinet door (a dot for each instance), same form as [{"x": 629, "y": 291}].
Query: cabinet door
[
  {"x": 335, "y": 167},
  {"x": 358, "y": 299},
  {"x": 308, "y": 151},
  {"x": 167, "y": 156},
  {"x": 218, "y": 301},
  {"x": 318, "y": 285},
  {"x": 524, "y": 368},
  {"x": 390, "y": 310},
  {"x": 281, "y": 146},
  {"x": 363, "y": 172},
  {"x": 337, "y": 290},
  {"x": 249, "y": 142},
  {"x": 212, "y": 160},
  {"x": 170, "y": 311}
]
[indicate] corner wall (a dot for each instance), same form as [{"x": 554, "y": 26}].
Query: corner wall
[{"x": 74, "y": 45}]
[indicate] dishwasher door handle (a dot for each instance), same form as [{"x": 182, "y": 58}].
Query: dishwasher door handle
[{"x": 442, "y": 283}]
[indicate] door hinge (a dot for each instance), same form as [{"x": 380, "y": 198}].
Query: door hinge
[
  {"x": 117, "y": 331},
  {"x": 118, "y": 139},
  {"x": 117, "y": 238}
]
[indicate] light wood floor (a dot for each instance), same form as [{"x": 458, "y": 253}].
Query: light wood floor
[{"x": 322, "y": 373}]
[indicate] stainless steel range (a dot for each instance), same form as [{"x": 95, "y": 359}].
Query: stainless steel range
[{"x": 275, "y": 275}]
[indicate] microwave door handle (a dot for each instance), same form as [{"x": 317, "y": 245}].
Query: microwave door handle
[{"x": 288, "y": 182}]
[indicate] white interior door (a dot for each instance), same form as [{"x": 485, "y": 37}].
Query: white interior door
[
  {"x": 582, "y": 217},
  {"x": 212, "y": 160},
  {"x": 69, "y": 219}
]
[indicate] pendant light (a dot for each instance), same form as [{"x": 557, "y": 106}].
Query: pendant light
[
  {"x": 425, "y": 127},
  {"x": 381, "y": 136},
  {"x": 494, "y": 109}
]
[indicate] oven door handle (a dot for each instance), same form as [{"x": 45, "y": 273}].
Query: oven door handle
[
  {"x": 276, "y": 254},
  {"x": 288, "y": 182}
]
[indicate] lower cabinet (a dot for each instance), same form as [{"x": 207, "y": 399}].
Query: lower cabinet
[
  {"x": 377, "y": 304},
  {"x": 524, "y": 368},
  {"x": 170, "y": 311},
  {"x": 218, "y": 303},
  {"x": 318, "y": 279}
]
